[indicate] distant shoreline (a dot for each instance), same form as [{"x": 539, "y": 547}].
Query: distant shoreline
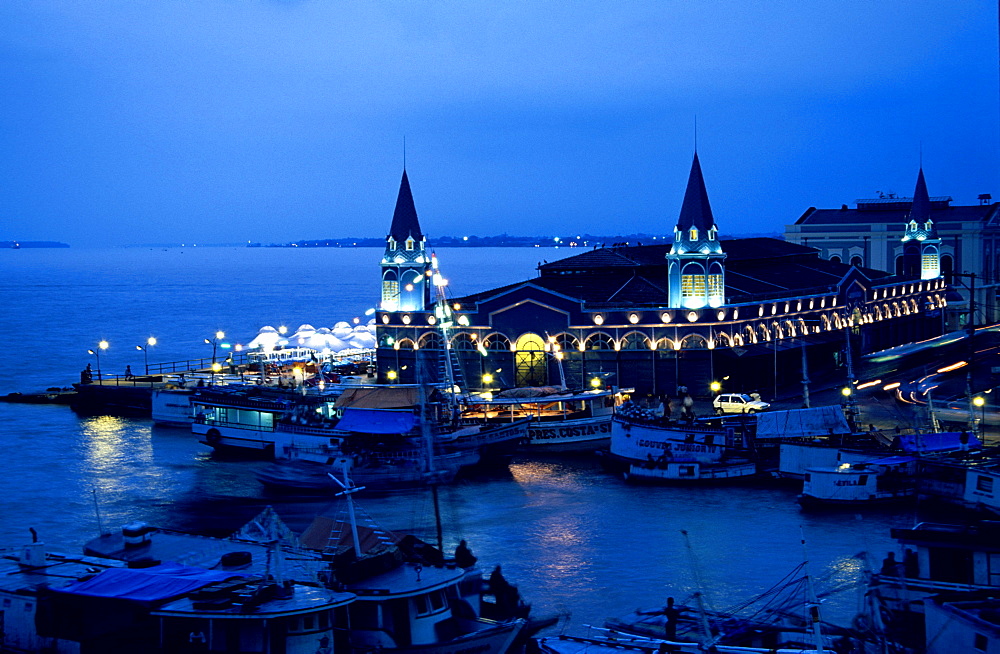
[{"x": 17, "y": 245}]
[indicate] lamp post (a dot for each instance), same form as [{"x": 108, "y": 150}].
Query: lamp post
[
  {"x": 150, "y": 342},
  {"x": 101, "y": 345},
  {"x": 980, "y": 402},
  {"x": 214, "y": 342},
  {"x": 216, "y": 367}
]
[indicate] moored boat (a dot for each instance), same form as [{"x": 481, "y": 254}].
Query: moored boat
[
  {"x": 870, "y": 482},
  {"x": 71, "y": 604},
  {"x": 561, "y": 420},
  {"x": 645, "y": 448}
]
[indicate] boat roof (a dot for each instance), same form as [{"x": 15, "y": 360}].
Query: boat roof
[
  {"x": 304, "y": 599},
  {"x": 381, "y": 397},
  {"x": 59, "y": 570},
  {"x": 148, "y": 584},
  {"x": 204, "y": 552},
  {"x": 377, "y": 421},
  {"x": 406, "y": 580},
  {"x": 983, "y": 535},
  {"x": 555, "y": 395}
]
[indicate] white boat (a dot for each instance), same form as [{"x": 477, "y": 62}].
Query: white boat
[
  {"x": 68, "y": 604},
  {"x": 561, "y": 420},
  {"x": 258, "y": 421},
  {"x": 873, "y": 481},
  {"x": 646, "y": 448}
]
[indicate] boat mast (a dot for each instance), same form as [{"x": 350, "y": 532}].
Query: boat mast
[
  {"x": 425, "y": 431},
  {"x": 812, "y": 602},
  {"x": 349, "y": 489},
  {"x": 706, "y": 630}
]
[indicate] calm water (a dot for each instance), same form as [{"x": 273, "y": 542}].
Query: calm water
[{"x": 572, "y": 537}]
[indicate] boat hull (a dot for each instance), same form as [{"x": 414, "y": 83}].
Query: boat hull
[
  {"x": 584, "y": 435},
  {"x": 485, "y": 637}
]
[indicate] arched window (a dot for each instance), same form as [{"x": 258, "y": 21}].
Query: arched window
[
  {"x": 900, "y": 264},
  {"x": 715, "y": 285},
  {"x": 409, "y": 244},
  {"x": 567, "y": 342},
  {"x": 464, "y": 341},
  {"x": 693, "y": 234},
  {"x": 694, "y": 342},
  {"x": 430, "y": 341},
  {"x": 404, "y": 344},
  {"x": 947, "y": 267},
  {"x": 600, "y": 341},
  {"x": 835, "y": 258},
  {"x": 390, "y": 287},
  {"x": 692, "y": 283},
  {"x": 856, "y": 260},
  {"x": 496, "y": 342},
  {"x": 634, "y": 341},
  {"x": 529, "y": 361}
]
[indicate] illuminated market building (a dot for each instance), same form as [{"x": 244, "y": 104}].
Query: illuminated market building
[{"x": 653, "y": 317}]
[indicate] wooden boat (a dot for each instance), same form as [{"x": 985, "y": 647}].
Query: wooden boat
[
  {"x": 67, "y": 604},
  {"x": 946, "y": 560},
  {"x": 561, "y": 420},
  {"x": 875, "y": 481},
  {"x": 645, "y": 448}
]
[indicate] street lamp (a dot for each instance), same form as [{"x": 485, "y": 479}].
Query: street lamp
[
  {"x": 219, "y": 335},
  {"x": 216, "y": 367},
  {"x": 101, "y": 345},
  {"x": 980, "y": 402},
  {"x": 715, "y": 386},
  {"x": 150, "y": 342}
]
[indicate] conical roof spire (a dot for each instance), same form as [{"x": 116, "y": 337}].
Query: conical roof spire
[
  {"x": 920, "y": 210},
  {"x": 696, "y": 211},
  {"x": 404, "y": 217}
]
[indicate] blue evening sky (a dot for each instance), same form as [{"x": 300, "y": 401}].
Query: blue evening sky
[{"x": 152, "y": 121}]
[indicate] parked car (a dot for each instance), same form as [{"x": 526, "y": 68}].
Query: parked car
[{"x": 738, "y": 403}]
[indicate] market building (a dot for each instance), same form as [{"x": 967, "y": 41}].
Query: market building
[{"x": 744, "y": 312}]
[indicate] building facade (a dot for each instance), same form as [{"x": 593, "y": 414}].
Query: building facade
[
  {"x": 746, "y": 312},
  {"x": 885, "y": 233}
]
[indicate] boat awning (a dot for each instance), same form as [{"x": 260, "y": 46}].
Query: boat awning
[
  {"x": 942, "y": 442},
  {"x": 379, "y": 398},
  {"x": 377, "y": 421},
  {"x": 891, "y": 460},
  {"x": 802, "y": 423},
  {"x": 159, "y": 582}
]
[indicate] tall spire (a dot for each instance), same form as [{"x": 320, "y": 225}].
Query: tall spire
[
  {"x": 404, "y": 217},
  {"x": 920, "y": 210},
  {"x": 696, "y": 211}
]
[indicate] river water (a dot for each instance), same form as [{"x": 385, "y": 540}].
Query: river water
[{"x": 571, "y": 536}]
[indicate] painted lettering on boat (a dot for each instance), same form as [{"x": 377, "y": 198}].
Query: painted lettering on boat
[
  {"x": 569, "y": 432},
  {"x": 847, "y": 482},
  {"x": 679, "y": 447}
]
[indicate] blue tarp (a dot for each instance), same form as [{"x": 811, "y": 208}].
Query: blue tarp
[
  {"x": 159, "y": 582},
  {"x": 377, "y": 421},
  {"x": 943, "y": 442}
]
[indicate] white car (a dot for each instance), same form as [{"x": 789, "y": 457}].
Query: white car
[{"x": 737, "y": 403}]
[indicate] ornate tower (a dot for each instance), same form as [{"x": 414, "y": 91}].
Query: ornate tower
[
  {"x": 696, "y": 263},
  {"x": 405, "y": 264},
  {"x": 921, "y": 246}
]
